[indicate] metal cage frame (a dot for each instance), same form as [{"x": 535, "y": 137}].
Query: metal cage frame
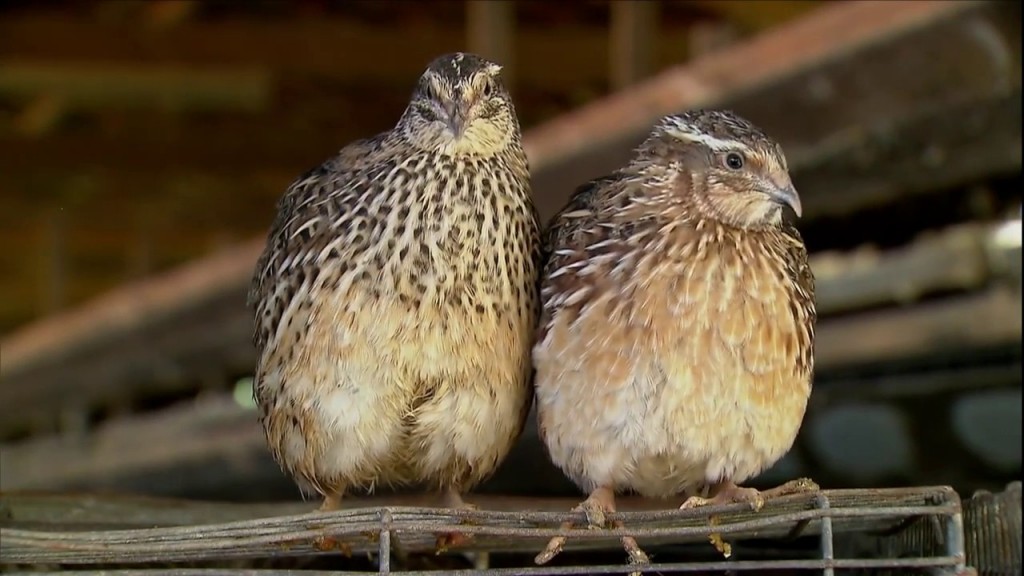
[{"x": 915, "y": 528}]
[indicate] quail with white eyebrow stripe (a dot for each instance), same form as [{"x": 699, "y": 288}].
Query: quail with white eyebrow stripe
[
  {"x": 396, "y": 299},
  {"x": 676, "y": 340}
]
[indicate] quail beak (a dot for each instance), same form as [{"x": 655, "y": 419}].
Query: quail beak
[
  {"x": 788, "y": 196},
  {"x": 457, "y": 114}
]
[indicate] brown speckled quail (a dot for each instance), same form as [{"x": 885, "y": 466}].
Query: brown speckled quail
[
  {"x": 396, "y": 300},
  {"x": 675, "y": 347}
]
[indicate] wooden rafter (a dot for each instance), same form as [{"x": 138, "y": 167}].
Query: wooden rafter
[
  {"x": 175, "y": 88},
  {"x": 756, "y": 15},
  {"x": 814, "y": 83},
  {"x": 324, "y": 48}
]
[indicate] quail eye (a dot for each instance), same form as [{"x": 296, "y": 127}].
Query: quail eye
[
  {"x": 488, "y": 89},
  {"x": 734, "y": 161},
  {"x": 430, "y": 92}
]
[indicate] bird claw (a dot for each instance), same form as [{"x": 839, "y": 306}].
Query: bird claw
[
  {"x": 728, "y": 494},
  {"x": 554, "y": 548},
  {"x": 594, "y": 511},
  {"x": 637, "y": 557},
  {"x": 723, "y": 547},
  {"x": 596, "y": 506}
]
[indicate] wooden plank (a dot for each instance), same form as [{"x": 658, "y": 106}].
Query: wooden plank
[
  {"x": 160, "y": 147},
  {"x": 148, "y": 324},
  {"x": 933, "y": 148},
  {"x": 955, "y": 260},
  {"x": 207, "y": 430},
  {"x": 957, "y": 324},
  {"x": 633, "y": 35}
]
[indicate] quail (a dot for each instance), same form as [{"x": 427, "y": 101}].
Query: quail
[
  {"x": 396, "y": 299},
  {"x": 675, "y": 345}
]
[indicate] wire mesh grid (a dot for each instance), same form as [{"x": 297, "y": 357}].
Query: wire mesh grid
[{"x": 926, "y": 522}]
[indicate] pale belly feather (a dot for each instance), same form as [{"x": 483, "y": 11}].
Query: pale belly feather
[
  {"x": 648, "y": 395},
  {"x": 359, "y": 391}
]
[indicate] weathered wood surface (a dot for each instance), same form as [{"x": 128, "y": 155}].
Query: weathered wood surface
[
  {"x": 930, "y": 87},
  {"x": 251, "y": 534},
  {"x": 178, "y": 450},
  {"x": 954, "y": 324}
]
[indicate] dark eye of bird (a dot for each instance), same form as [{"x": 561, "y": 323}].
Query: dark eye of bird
[
  {"x": 734, "y": 161},
  {"x": 488, "y": 89},
  {"x": 430, "y": 92}
]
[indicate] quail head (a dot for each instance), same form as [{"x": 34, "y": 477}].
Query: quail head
[
  {"x": 396, "y": 300},
  {"x": 675, "y": 347}
]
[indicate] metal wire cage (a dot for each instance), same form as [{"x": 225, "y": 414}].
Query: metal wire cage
[{"x": 904, "y": 531}]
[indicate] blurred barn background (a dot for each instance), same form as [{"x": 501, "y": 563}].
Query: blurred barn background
[{"x": 143, "y": 146}]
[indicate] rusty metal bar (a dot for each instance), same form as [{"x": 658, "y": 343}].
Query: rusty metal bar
[
  {"x": 500, "y": 530},
  {"x": 384, "y": 543},
  {"x": 674, "y": 567},
  {"x": 827, "y": 542}
]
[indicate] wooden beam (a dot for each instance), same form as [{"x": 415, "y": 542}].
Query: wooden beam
[
  {"x": 825, "y": 65},
  {"x": 633, "y": 36},
  {"x": 826, "y": 68},
  {"x": 756, "y": 16},
  {"x": 133, "y": 445},
  {"x": 82, "y": 86},
  {"x": 706, "y": 37},
  {"x": 843, "y": 172},
  {"x": 491, "y": 33},
  {"x": 325, "y": 48},
  {"x": 167, "y": 13},
  {"x": 146, "y": 322},
  {"x": 953, "y": 325},
  {"x": 960, "y": 259},
  {"x": 934, "y": 148}
]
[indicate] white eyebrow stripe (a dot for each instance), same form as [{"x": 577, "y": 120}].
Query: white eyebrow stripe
[{"x": 716, "y": 144}]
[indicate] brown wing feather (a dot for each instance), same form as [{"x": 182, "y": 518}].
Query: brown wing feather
[
  {"x": 296, "y": 232},
  {"x": 799, "y": 269}
]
